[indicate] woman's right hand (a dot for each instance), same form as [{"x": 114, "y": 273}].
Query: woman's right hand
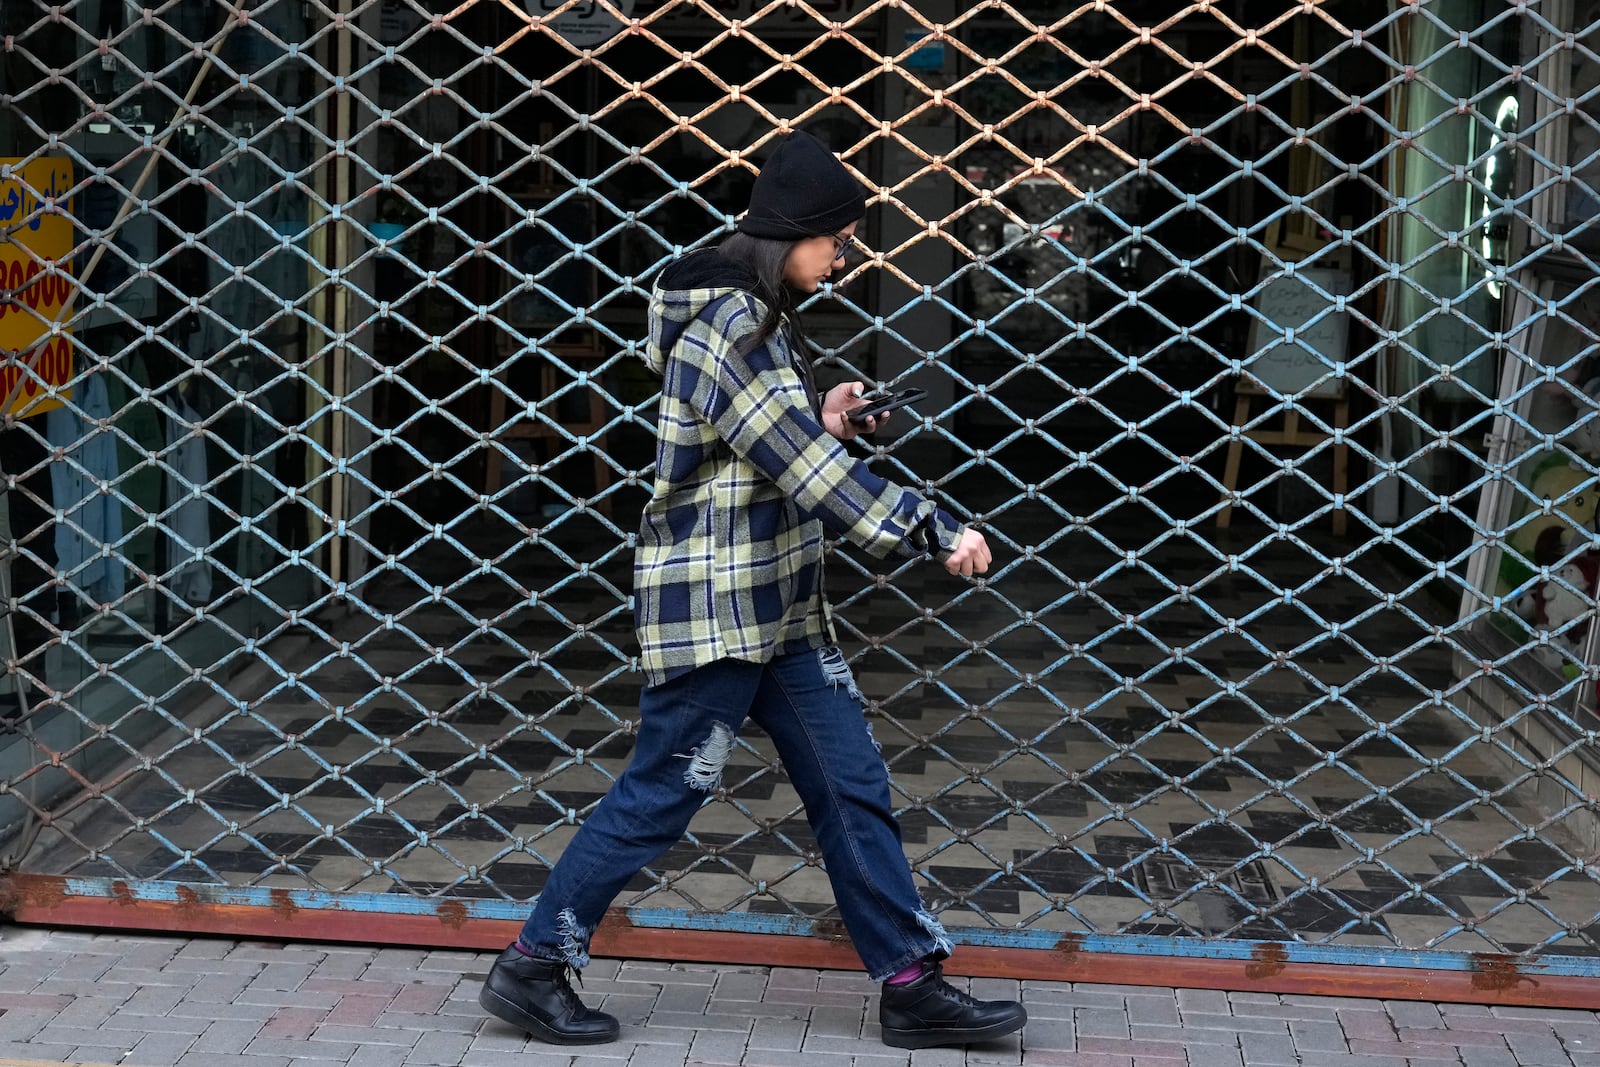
[{"x": 971, "y": 555}]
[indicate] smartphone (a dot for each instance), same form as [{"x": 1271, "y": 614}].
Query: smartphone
[{"x": 880, "y": 404}]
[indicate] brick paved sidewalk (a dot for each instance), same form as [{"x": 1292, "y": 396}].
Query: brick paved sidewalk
[{"x": 68, "y": 997}]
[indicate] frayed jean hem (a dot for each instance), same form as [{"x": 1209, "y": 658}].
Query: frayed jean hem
[{"x": 933, "y": 951}]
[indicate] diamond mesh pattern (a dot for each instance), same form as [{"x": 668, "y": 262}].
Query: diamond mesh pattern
[{"x": 1262, "y": 347}]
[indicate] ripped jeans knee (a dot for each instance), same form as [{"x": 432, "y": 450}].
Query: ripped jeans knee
[
  {"x": 837, "y": 671},
  {"x": 707, "y": 760}
]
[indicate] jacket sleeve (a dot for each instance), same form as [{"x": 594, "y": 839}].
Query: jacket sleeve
[{"x": 757, "y": 402}]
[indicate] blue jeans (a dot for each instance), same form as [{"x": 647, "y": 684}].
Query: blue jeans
[{"x": 809, "y": 705}]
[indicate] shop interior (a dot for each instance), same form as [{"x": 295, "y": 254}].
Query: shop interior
[{"x": 421, "y": 574}]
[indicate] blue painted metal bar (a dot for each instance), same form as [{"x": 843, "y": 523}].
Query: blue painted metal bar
[{"x": 468, "y": 909}]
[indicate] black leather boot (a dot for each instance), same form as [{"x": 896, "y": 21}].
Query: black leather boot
[
  {"x": 930, "y": 1012},
  {"x": 536, "y": 995}
]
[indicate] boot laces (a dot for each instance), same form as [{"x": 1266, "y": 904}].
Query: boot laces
[
  {"x": 965, "y": 999},
  {"x": 563, "y": 978}
]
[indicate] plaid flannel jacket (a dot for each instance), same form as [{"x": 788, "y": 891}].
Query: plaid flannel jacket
[{"x": 730, "y": 552}]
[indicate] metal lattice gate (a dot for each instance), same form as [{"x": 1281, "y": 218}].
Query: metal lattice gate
[{"x": 1260, "y": 339}]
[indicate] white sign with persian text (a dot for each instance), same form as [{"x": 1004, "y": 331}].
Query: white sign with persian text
[
  {"x": 775, "y": 15},
  {"x": 586, "y": 23}
]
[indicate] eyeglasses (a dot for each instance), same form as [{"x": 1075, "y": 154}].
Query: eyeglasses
[{"x": 841, "y": 244}]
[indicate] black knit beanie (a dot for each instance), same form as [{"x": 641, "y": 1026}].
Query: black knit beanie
[{"x": 802, "y": 191}]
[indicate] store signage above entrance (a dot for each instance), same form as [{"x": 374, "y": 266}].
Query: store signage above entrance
[{"x": 586, "y": 23}]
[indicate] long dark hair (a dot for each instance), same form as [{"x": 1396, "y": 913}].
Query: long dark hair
[{"x": 766, "y": 257}]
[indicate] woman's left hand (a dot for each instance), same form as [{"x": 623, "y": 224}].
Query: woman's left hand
[{"x": 838, "y": 403}]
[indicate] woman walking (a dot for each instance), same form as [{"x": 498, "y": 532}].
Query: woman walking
[{"x": 751, "y": 477}]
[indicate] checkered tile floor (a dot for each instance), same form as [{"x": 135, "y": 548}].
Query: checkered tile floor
[{"x": 1059, "y": 769}]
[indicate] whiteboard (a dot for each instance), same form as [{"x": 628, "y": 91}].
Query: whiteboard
[{"x": 1290, "y": 302}]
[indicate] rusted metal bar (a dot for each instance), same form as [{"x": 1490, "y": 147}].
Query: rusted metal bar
[{"x": 1265, "y": 967}]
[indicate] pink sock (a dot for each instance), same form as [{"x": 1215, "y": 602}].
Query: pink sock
[
  {"x": 910, "y": 974},
  {"x": 520, "y": 947}
]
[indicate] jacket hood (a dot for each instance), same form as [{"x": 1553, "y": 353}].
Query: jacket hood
[{"x": 682, "y": 291}]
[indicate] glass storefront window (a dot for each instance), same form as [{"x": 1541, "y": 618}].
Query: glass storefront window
[
  {"x": 1461, "y": 272},
  {"x": 1535, "y": 586},
  {"x": 155, "y": 462}
]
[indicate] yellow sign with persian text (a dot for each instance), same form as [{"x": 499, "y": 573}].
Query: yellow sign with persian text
[{"x": 36, "y": 234}]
